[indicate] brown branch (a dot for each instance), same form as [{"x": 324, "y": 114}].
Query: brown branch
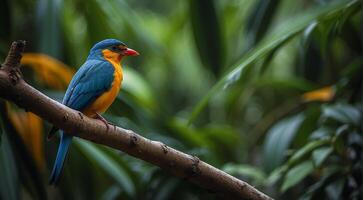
[
  {"x": 14, "y": 55},
  {"x": 190, "y": 168}
]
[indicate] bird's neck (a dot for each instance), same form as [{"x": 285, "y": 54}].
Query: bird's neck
[
  {"x": 112, "y": 56},
  {"x": 105, "y": 55},
  {"x": 114, "y": 59}
]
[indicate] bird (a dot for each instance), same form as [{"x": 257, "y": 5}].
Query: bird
[{"x": 92, "y": 90}]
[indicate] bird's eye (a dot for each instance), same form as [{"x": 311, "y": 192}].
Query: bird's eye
[{"x": 114, "y": 48}]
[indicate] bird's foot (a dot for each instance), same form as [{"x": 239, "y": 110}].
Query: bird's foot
[{"x": 98, "y": 116}]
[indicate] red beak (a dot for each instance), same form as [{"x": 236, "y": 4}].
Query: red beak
[{"x": 130, "y": 52}]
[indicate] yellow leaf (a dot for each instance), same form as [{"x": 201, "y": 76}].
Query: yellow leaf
[
  {"x": 30, "y": 128},
  {"x": 50, "y": 71},
  {"x": 322, "y": 94}
]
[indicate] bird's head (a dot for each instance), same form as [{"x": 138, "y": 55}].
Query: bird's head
[{"x": 112, "y": 49}]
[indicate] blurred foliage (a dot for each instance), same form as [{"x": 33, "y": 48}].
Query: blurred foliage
[
  {"x": 323, "y": 94},
  {"x": 269, "y": 91},
  {"x": 46, "y": 68},
  {"x": 30, "y": 128}
]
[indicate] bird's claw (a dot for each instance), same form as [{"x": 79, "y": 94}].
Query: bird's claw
[{"x": 98, "y": 116}]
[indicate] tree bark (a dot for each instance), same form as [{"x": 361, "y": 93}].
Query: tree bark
[{"x": 190, "y": 168}]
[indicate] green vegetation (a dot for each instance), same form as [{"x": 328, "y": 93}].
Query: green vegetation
[{"x": 269, "y": 91}]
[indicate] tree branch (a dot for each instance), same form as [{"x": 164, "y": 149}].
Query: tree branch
[{"x": 190, "y": 168}]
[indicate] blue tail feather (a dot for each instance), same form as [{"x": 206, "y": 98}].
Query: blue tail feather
[{"x": 61, "y": 156}]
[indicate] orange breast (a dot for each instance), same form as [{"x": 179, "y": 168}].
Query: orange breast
[{"x": 104, "y": 101}]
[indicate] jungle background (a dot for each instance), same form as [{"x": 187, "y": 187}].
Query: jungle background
[{"x": 269, "y": 91}]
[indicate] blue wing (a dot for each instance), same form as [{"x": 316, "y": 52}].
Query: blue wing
[{"x": 91, "y": 80}]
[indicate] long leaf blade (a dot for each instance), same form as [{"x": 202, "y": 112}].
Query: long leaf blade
[
  {"x": 281, "y": 34},
  {"x": 110, "y": 166}
]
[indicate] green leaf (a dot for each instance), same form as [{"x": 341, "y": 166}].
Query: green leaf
[
  {"x": 110, "y": 166},
  {"x": 310, "y": 65},
  {"x": 120, "y": 11},
  {"x": 9, "y": 181},
  {"x": 297, "y": 174},
  {"x": 166, "y": 189},
  {"x": 111, "y": 193},
  {"x": 335, "y": 189},
  {"x": 322, "y": 133},
  {"x": 297, "y": 84},
  {"x": 48, "y": 27},
  {"x": 207, "y": 34},
  {"x": 329, "y": 175},
  {"x": 222, "y": 134},
  {"x": 307, "y": 34},
  {"x": 320, "y": 155},
  {"x": 140, "y": 90},
  {"x": 309, "y": 147},
  {"x": 287, "y": 30},
  {"x": 278, "y": 140},
  {"x": 343, "y": 113},
  {"x": 76, "y": 41},
  {"x": 276, "y": 175},
  {"x": 189, "y": 134},
  {"x": 257, "y": 175},
  {"x": 260, "y": 19}
]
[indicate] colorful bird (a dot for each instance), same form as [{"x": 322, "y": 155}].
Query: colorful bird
[{"x": 93, "y": 89}]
